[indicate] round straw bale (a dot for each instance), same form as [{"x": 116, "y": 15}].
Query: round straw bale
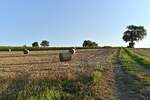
[{"x": 65, "y": 56}]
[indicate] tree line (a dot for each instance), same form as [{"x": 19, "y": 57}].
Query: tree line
[
  {"x": 131, "y": 35},
  {"x": 44, "y": 43}
]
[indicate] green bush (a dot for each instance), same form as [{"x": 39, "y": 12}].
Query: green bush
[
  {"x": 35, "y": 44},
  {"x": 88, "y": 43},
  {"x": 97, "y": 76}
]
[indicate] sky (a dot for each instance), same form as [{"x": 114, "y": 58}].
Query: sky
[{"x": 70, "y": 22}]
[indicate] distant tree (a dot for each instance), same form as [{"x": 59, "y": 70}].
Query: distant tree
[
  {"x": 88, "y": 43},
  {"x": 107, "y": 47},
  {"x": 35, "y": 44},
  {"x": 24, "y": 46},
  {"x": 134, "y": 33},
  {"x": 44, "y": 43}
]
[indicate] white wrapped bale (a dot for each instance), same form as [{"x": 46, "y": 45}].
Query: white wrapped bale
[
  {"x": 9, "y": 50},
  {"x": 65, "y": 56},
  {"x": 26, "y": 51},
  {"x": 72, "y": 51}
]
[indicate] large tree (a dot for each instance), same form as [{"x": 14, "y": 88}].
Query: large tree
[
  {"x": 45, "y": 43},
  {"x": 134, "y": 34}
]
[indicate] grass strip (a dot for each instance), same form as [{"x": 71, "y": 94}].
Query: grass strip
[
  {"x": 136, "y": 79},
  {"x": 145, "y": 62}
]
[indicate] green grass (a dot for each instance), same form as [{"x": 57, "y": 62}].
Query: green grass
[
  {"x": 130, "y": 62},
  {"x": 136, "y": 79},
  {"x": 97, "y": 76},
  {"x": 145, "y": 62}
]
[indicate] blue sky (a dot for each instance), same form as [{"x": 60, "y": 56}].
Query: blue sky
[{"x": 70, "y": 22}]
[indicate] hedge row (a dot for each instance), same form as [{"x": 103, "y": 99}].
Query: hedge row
[
  {"x": 6, "y": 48},
  {"x": 39, "y": 48}
]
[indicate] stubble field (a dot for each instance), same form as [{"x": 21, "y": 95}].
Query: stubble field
[{"x": 92, "y": 74}]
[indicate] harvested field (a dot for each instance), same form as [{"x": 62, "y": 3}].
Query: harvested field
[
  {"x": 40, "y": 66},
  {"x": 143, "y": 52},
  {"x": 47, "y": 64},
  {"x": 92, "y": 74}
]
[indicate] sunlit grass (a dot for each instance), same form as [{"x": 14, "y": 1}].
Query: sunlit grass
[
  {"x": 52, "y": 89},
  {"x": 136, "y": 77}
]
